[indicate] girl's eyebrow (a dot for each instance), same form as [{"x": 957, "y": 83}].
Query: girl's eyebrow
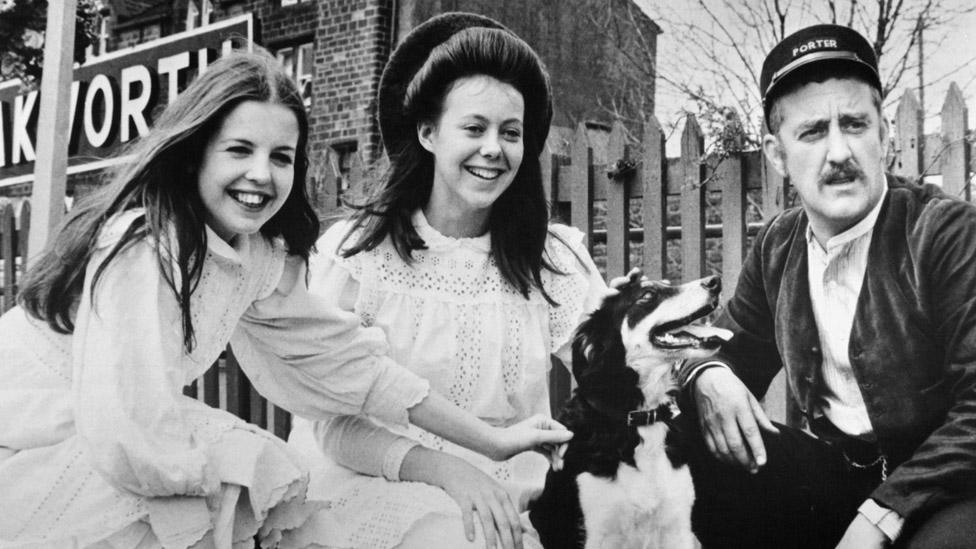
[
  {"x": 249, "y": 143},
  {"x": 481, "y": 118},
  {"x": 240, "y": 140}
]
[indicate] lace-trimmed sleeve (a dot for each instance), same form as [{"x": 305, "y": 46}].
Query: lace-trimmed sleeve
[
  {"x": 308, "y": 353},
  {"x": 578, "y": 292},
  {"x": 353, "y": 441}
]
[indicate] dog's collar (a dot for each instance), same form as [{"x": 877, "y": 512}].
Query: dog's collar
[
  {"x": 633, "y": 360},
  {"x": 665, "y": 412}
]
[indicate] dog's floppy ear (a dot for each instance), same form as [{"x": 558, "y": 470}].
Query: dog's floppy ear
[
  {"x": 600, "y": 361},
  {"x": 599, "y": 334},
  {"x": 592, "y": 338},
  {"x": 599, "y": 356},
  {"x": 581, "y": 352},
  {"x": 597, "y": 339}
]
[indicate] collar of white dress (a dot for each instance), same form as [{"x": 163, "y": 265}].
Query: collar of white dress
[
  {"x": 438, "y": 241},
  {"x": 238, "y": 251}
]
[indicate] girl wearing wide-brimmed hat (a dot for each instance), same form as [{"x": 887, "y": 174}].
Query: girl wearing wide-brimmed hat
[{"x": 455, "y": 258}]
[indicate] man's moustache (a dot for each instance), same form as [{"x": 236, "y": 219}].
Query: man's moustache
[{"x": 846, "y": 171}]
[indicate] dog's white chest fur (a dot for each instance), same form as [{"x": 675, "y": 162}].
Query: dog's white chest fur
[{"x": 647, "y": 507}]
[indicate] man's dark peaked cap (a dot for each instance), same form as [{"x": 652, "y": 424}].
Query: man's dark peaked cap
[{"x": 814, "y": 48}]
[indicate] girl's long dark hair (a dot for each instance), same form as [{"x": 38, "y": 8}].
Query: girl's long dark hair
[
  {"x": 161, "y": 178},
  {"x": 519, "y": 219}
]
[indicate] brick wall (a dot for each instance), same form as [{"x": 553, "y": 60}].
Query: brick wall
[
  {"x": 351, "y": 45},
  {"x": 587, "y": 45}
]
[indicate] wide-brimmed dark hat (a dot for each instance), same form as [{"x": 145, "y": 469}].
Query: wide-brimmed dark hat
[
  {"x": 816, "y": 48},
  {"x": 397, "y": 127}
]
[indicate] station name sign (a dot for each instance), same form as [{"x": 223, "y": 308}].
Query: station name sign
[{"x": 114, "y": 99}]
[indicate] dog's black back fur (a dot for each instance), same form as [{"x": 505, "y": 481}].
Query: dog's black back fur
[{"x": 596, "y": 414}]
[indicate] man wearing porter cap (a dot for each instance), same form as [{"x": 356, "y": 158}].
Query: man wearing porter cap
[{"x": 866, "y": 295}]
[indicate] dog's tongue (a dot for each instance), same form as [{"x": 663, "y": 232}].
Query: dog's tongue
[{"x": 705, "y": 332}]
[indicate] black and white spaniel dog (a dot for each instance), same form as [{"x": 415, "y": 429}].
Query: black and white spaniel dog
[{"x": 621, "y": 482}]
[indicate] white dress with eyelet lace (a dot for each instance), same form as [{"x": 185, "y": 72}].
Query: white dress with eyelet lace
[
  {"x": 450, "y": 317},
  {"x": 98, "y": 445}
]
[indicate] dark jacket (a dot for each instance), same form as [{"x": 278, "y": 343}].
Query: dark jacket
[{"x": 912, "y": 345}]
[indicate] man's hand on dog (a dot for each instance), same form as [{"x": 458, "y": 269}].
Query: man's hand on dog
[{"x": 731, "y": 418}]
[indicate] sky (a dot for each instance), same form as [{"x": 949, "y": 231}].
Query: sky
[{"x": 951, "y": 59}]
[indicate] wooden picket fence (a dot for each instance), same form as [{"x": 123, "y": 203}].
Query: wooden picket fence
[
  {"x": 652, "y": 207},
  {"x": 638, "y": 208},
  {"x": 13, "y": 247},
  {"x": 946, "y": 154},
  {"x": 623, "y": 207}
]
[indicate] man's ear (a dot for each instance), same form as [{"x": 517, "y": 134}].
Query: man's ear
[
  {"x": 773, "y": 149},
  {"x": 424, "y": 131},
  {"x": 885, "y": 145}
]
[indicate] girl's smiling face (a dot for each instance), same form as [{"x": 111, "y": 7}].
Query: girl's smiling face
[
  {"x": 477, "y": 144},
  {"x": 248, "y": 168}
]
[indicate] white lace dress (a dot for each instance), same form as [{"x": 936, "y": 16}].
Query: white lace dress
[
  {"x": 98, "y": 446},
  {"x": 451, "y": 318}
]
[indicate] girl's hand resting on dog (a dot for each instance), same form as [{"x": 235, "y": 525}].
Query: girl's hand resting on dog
[
  {"x": 731, "y": 418},
  {"x": 475, "y": 493},
  {"x": 539, "y": 433}
]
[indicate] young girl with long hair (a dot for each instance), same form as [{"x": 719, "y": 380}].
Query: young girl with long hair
[
  {"x": 455, "y": 259},
  {"x": 201, "y": 238}
]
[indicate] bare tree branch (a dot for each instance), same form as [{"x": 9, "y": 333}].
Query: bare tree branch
[{"x": 716, "y": 47}]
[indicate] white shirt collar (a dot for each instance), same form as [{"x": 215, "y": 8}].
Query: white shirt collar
[{"x": 861, "y": 228}]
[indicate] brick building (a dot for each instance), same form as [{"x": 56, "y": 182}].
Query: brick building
[{"x": 336, "y": 50}]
